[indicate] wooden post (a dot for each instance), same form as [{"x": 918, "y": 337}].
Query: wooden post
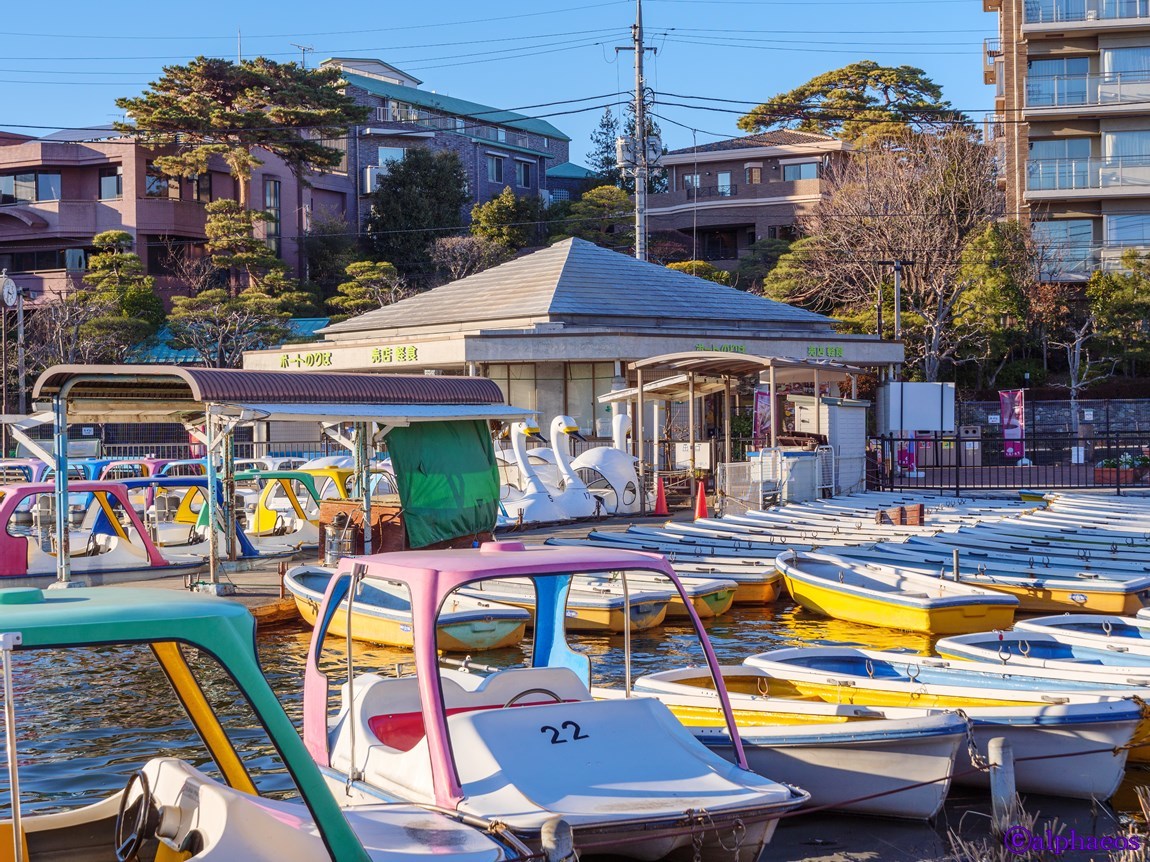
[
  {"x": 727, "y": 419},
  {"x": 638, "y": 440},
  {"x": 1003, "y": 795},
  {"x": 774, "y": 409},
  {"x": 691, "y": 426}
]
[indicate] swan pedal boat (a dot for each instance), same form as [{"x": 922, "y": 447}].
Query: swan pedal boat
[
  {"x": 1093, "y": 732},
  {"x": 381, "y": 613},
  {"x": 167, "y": 803},
  {"x": 525, "y": 744},
  {"x": 847, "y": 590}
]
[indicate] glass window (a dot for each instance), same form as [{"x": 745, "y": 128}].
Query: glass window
[
  {"x": 274, "y": 212},
  {"x": 586, "y": 381},
  {"x": 1133, "y": 229},
  {"x": 523, "y": 174},
  {"x": 1131, "y": 146},
  {"x": 754, "y": 176},
  {"x": 156, "y": 184},
  {"x": 560, "y": 195},
  {"x": 25, "y": 187},
  {"x": 690, "y": 181},
  {"x": 1133, "y": 62},
  {"x": 7, "y": 189},
  {"x": 495, "y": 169},
  {"x": 501, "y": 135},
  {"x": 723, "y": 182},
  {"x": 1066, "y": 246},
  {"x": 1059, "y": 163},
  {"x": 47, "y": 186},
  {"x": 202, "y": 187},
  {"x": 801, "y": 171},
  {"x": 390, "y": 154},
  {"x": 111, "y": 182},
  {"x": 1060, "y": 81}
]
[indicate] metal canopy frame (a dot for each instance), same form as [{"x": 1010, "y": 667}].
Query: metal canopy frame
[
  {"x": 697, "y": 373},
  {"x": 220, "y": 400}
]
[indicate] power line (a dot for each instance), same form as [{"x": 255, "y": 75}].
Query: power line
[{"x": 228, "y": 37}]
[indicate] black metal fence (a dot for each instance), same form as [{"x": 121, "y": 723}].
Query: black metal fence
[{"x": 951, "y": 462}]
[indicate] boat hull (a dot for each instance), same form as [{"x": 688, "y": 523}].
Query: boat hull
[
  {"x": 875, "y": 612},
  {"x": 758, "y": 592},
  {"x": 1033, "y": 598},
  {"x": 907, "y": 775},
  {"x": 706, "y": 605}
]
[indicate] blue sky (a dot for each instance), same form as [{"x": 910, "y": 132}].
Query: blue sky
[{"x": 66, "y": 67}]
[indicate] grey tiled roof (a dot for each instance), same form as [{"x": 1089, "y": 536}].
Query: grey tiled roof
[
  {"x": 780, "y": 138},
  {"x": 579, "y": 282}
]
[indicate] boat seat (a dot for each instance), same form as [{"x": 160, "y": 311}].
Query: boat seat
[{"x": 393, "y": 714}]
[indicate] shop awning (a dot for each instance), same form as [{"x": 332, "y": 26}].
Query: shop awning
[{"x": 101, "y": 393}]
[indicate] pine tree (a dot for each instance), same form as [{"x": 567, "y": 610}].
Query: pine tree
[{"x": 601, "y": 159}]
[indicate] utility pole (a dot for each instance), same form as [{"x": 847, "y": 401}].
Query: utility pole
[
  {"x": 303, "y": 49},
  {"x": 639, "y": 142},
  {"x": 898, "y": 267}
]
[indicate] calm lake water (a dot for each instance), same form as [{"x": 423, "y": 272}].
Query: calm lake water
[{"x": 88, "y": 719}]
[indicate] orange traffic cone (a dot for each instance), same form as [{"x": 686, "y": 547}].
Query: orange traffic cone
[
  {"x": 660, "y": 499},
  {"x": 701, "y": 503}
]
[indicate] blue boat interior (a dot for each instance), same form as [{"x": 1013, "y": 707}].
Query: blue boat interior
[{"x": 921, "y": 672}]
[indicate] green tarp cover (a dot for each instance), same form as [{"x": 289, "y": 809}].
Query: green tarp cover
[{"x": 447, "y": 477}]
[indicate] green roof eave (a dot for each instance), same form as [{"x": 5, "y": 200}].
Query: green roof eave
[
  {"x": 490, "y": 143},
  {"x": 452, "y": 105}
]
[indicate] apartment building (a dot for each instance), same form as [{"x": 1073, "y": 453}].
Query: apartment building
[
  {"x": 1072, "y": 123},
  {"x": 497, "y": 147},
  {"x": 724, "y": 196},
  {"x": 58, "y": 191}
]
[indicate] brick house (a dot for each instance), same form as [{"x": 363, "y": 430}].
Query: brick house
[
  {"x": 58, "y": 191},
  {"x": 725, "y": 195},
  {"x": 497, "y": 147}
]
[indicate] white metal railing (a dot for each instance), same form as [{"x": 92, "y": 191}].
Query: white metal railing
[
  {"x": 1077, "y": 174},
  {"x": 751, "y": 484},
  {"x": 825, "y": 476},
  {"x": 1109, "y": 88},
  {"x": 1071, "y": 11}
]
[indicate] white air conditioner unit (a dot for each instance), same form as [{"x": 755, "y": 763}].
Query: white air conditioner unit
[
  {"x": 1091, "y": 14},
  {"x": 371, "y": 177}
]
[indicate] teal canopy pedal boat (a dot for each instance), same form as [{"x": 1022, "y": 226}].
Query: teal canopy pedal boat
[{"x": 168, "y": 809}]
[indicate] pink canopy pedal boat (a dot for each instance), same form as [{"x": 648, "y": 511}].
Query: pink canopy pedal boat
[{"x": 526, "y": 744}]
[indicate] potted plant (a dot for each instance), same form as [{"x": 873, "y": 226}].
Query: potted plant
[{"x": 1122, "y": 470}]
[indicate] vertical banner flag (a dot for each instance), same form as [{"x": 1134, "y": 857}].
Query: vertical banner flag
[
  {"x": 762, "y": 424},
  {"x": 1012, "y": 408}
]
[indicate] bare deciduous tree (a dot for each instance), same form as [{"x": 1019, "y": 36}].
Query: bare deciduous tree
[
  {"x": 460, "y": 256},
  {"x": 912, "y": 197}
]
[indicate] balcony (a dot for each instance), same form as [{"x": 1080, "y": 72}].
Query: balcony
[
  {"x": 1086, "y": 12},
  {"x": 1068, "y": 178},
  {"x": 170, "y": 216},
  {"x": 721, "y": 196},
  {"x": 41, "y": 219},
  {"x": 1108, "y": 93},
  {"x": 991, "y": 52}
]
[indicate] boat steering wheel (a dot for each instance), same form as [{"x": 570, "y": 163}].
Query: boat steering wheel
[
  {"x": 128, "y": 846},
  {"x": 546, "y": 692}
]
